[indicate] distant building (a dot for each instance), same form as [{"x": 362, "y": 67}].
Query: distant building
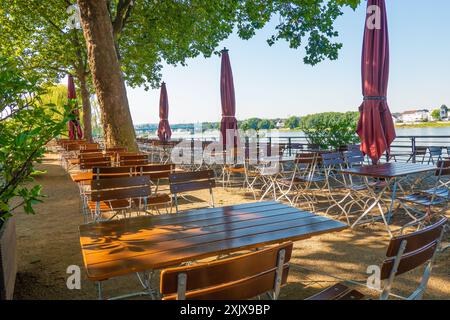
[
  {"x": 280, "y": 124},
  {"x": 397, "y": 117},
  {"x": 416, "y": 115},
  {"x": 444, "y": 112}
]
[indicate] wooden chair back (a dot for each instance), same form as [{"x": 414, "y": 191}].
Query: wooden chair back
[
  {"x": 89, "y": 163},
  {"x": 443, "y": 168},
  {"x": 117, "y": 149},
  {"x": 111, "y": 172},
  {"x": 156, "y": 171},
  {"x": 242, "y": 277},
  {"x": 332, "y": 159},
  {"x": 192, "y": 181},
  {"x": 90, "y": 146},
  {"x": 120, "y": 188},
  {"x": 133, "y": 160},
  {"x": 408, "y": 252}
]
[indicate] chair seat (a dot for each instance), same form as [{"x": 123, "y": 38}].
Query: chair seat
[
  {"x": 424, "y": 199},
  {"x": 110, "y": 205},
  {"x": 358, "y": 187},
  {"x": 440, "y": 192},
  {"x": 338, "y": 292},
  {"x": 311, "y": 179},
  {"x": 235, "y": 169}
]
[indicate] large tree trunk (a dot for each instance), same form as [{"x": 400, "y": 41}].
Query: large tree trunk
[
  {"x": 87, "y": 113},
  {"x": 107, "y": 75}
]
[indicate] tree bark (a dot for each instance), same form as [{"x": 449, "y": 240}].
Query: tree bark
[
  {"x": 107, "y": 75},
  {"x": 87, "y": 113}
]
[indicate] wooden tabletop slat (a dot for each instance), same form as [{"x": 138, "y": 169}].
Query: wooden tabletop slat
[
  {"x": 134, "y": 225},
  {"x": 149, "y": 243},
  {"x": 206, "y": 223},
  {"x": 120, "y": 247},
  {"x": 389, "y": 170}
]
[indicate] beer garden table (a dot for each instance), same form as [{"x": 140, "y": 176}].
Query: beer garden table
[
  {"x": 393, "y": 173},
  {"x": 143, "y": 244}
]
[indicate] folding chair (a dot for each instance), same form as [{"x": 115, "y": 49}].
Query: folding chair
[
  {"x": 298, "y": 183},
  {"x": 238, "y": 278},
  {"x": 356, "y": 189},
  {"x": 192, "y": 181},
  {"x": 435, "y": 154},
  {"x": 437, "y": 196},
  {"x": 404, "y": 253},
  {"x": 99, "y": 173},
  {"x": 118, "y": 195},
  {"x": 157, "y": 172}
]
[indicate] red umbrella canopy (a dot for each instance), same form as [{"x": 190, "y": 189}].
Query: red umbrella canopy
[
  {"x": 228, "y": 125},
  {"x": 74, "y": 126},
  {"x": 164, "y": 131},
  {"x": 376, "y": 127}
]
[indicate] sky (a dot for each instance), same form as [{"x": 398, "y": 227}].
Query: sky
[{"x": 273, "y": 82}]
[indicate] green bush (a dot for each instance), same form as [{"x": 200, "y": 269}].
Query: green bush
[
  {"x": 26, "y": 126},
  {"x": 331, "y": 129}
]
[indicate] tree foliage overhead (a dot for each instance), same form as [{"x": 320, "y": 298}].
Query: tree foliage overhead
[
  {"x": 36, "y": 32},
  {"x": 150, "y": 32}
]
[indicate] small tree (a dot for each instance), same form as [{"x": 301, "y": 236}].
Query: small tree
[
  {"x": 436, "y": 114},
  {"x": 331, "y": 129},
  {"x": 26, "y": 126},
  {"x": 292, "y": 122}
]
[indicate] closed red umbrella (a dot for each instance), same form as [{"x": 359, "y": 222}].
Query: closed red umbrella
[
  {"x": 164, "y": 132},
  {"x": 228, "y": 125},
  {"x": 75, "y": 131},
  {"x": 376, "y": 127}
]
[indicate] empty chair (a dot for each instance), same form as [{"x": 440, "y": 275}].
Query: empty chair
[
  {"x": 437, "y": 196},
  {"x": 435, "y": 154},
  {"x": 404, "y": 253},
  {"x": 418, "y": 156},
  {"x": 192, "y": 181},
  {"x": 118, "y": 195},
  {"x": 238, "y": 278},
  {"x": 157, "y": 172}
]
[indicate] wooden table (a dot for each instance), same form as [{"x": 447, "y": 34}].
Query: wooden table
[
  {"x": 120, "y": 247},
  {"x": 393, "y": 173}
]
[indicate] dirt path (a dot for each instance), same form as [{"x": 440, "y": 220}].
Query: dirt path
[{"x": 48, "y": 243}]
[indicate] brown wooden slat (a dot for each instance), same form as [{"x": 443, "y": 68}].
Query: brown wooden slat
[
  {"x": 239, "y": 290},
  {"x": 409, "y": 261},
  {"x": 331, "y": 293},
  {"x": 117, "y": 194},
  {"x": 111, "y": 170},
  {"x": 195, "y": 216},
  {"x": 99, "y": 184},
  {"x": 224, "y": 271},
  {"x": 89, "y": 165},
  {"x": 191, "y": 176},
  {"x": 418, "y": 239},
  {"x": 192, "y": 186},
  {"x": 101, "y": 271},
  {"x": 133, "y": 157},
  {"x": 133, "y": 163}
]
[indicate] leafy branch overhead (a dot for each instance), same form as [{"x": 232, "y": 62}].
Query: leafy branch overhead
[{"x": 151, "y": 33}]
